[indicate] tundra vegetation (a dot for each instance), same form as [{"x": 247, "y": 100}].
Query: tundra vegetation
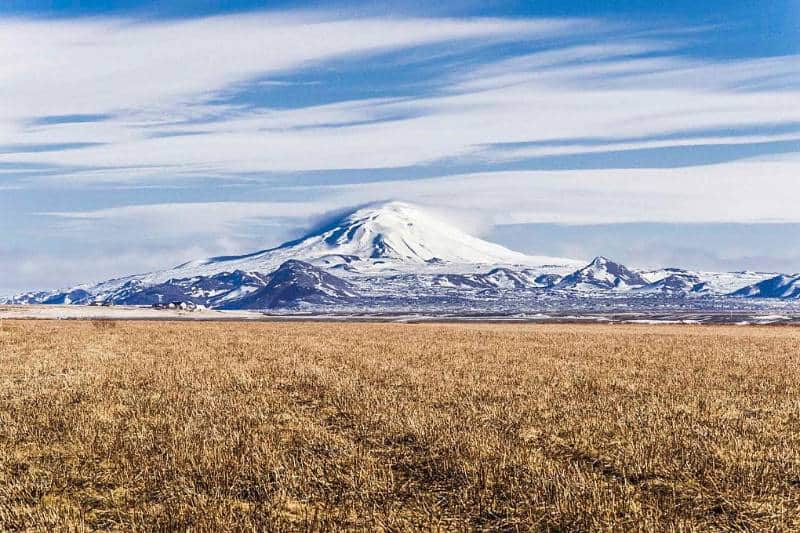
[{"x": 308, "y": 426}]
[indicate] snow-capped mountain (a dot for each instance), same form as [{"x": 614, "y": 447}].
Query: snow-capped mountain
[
  {"x": 398, "y": 255},
  {"x": 783, "y": 287},
  {"x": 498, "y": 278},
  {"x": 602, "y": 273},
  {"x": 383, "y": 237},
  {"x": 676, "y": 282},
  {"x": 295, "y": 283},
  {"x": 211, "y": 291}
]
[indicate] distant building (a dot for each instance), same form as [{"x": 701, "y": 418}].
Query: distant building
[{"x": 177, "y": 305}]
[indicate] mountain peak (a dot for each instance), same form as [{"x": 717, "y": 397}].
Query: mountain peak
[
  {"x": 389, "y": 207},
  {"x": 600, "y": 261},
  {"x": 379, "y": 238},
  {"x": 296, "y": 283},
  {"x": 781, "y": 286},
  {"x": 603, "y": 273},
  {"x": 401, "y": 231}
]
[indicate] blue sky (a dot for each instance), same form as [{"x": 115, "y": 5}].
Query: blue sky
[{"x": 138, "y": 135}]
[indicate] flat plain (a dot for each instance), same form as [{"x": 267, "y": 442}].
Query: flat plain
[{"x": 311, "y": 426}]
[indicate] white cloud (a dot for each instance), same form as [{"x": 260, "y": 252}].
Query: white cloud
[
  {"x": 61, "y": 67},
  {"x": 144, "y": 74},
  {"x": 510, "y": 105},
  {"x": 743, "y": 192},
  {"x": 98, "y": 244},
  {"x": 588, "y": 148},
  {"x": 161, "y": 75},
  {"x": 170, "y": 221}
]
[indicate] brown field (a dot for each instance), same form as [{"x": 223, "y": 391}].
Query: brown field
[{"x": 277, "y": 426}]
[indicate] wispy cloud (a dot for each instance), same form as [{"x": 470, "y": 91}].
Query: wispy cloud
[
  {"x": 169, "y": 221},
  {"x": 115, "y": 81},
  {"x": 160, "y": 117},
  {"x": 707, "y": 194},
  {"x": 744, "y": 191},
  {"x": 96, "y": 244},
  {"x": 99, "y": 66}
]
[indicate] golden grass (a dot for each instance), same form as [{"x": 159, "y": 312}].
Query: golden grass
[{"x": 277, "y": 426}]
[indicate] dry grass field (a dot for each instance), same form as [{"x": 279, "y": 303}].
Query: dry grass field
[{"x": 277, "y": 426}]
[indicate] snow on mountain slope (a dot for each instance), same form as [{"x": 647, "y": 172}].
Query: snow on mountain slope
[
  {"x": 386, "y": 237},
  {"x": 602, "y": 273},
  {"x": 209, "y": 291},
  {"x": 296, "y": 283},
  {"x": 719, "y": 283},
  {"x": 392, "y": 232},
  {"x": 784, "y": 287},
  {"x": 396, "y": 252},
  {"x": 676, "y": 284},
  {"x": 497, "y": 278}
]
